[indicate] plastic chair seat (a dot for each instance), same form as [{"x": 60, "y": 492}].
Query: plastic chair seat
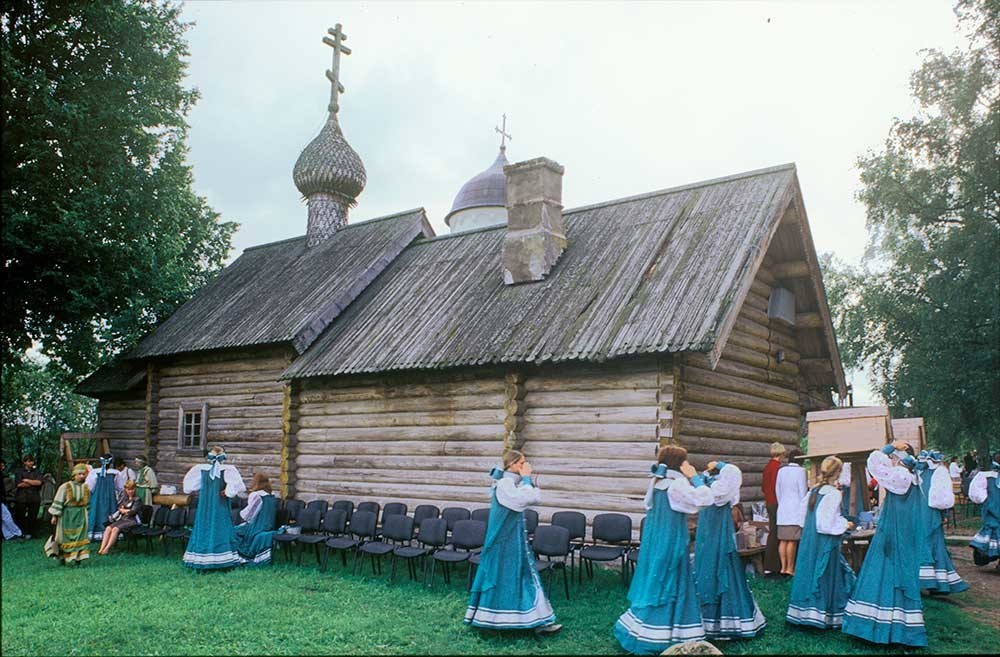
[
  {"x": 341, "y": 543},
  {"x": 601, "y": 552},
  {"x": 451, "y": 556},
  {"x": 408, "y": 552},
  {"x": 377, "y": 547},
  {"x": 311, "y": 539},
  {"x": 286, "y": 538}
]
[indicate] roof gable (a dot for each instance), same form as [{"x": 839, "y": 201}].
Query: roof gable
[
  {"x": 285, "y": 291},
  {"x": 652, "y": 273}
]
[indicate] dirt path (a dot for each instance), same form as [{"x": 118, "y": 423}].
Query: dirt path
[{"x": 983, "y": 597}]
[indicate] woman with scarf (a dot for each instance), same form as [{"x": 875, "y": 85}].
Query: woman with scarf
[
  {"x": 985, "y": 490},
  {"x": 885, "y": 606},
  {"x": 507, "y": 593},
  {"x": 728, "y": 609},
  {"x": 213, "y": 542},
  {"x": 937, "y": 572},
  {"x": 253, "y": 537},
  {"x": 145, "y": 479},
  {"x": 823, "y": 579},
  {"x": 123, "y": 519},
  {"x": 105, "y": 485},
  {"x": 69, "y": 514},
  {"x": 663, "y": 601}
]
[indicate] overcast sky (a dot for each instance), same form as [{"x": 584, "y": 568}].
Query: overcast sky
[{"x": 630, "y": 98}]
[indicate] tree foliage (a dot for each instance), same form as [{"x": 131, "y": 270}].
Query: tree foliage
[
  {"x": 922, "y": 313},
  {"x": 103, "y": 235}
]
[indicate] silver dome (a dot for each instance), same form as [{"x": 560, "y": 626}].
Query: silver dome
[{"x": 486, "y": 189}]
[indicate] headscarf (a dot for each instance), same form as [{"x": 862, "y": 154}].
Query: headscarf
[
  {"x": 105, "y": 462},
  {"x": 78, "y": 468}
]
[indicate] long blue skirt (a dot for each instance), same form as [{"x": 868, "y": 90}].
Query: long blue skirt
[
  {"x": 213, "y": 541},
  {"x": 253, "y": 539},
  {"x": 987, "y": 539},
  {"x": 728, "y": 610},
  {"x": 823, "y": 579},
  {"x": 663, "y": 601},
  {"x": 507, "y": 593},
  {"x": 102, "y": 505},
  {"x": 885, "y": 606}
]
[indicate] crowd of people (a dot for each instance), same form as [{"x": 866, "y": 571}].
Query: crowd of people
[{"x": 674, "y": 596}]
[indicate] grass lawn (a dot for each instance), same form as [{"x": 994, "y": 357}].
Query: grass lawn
[{"x": 134, "y": 604}]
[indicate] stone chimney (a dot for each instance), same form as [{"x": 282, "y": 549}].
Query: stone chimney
[{"x": 535, "y": 238}]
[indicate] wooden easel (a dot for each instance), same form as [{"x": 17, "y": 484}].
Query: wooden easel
[{"x": 66, "y": 458}]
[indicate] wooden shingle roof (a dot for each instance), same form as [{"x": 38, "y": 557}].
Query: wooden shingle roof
[
  {"x": 116, "y": 376},
  {"x": 653, "y": 273},
  {"x": 285, "y": 292}
]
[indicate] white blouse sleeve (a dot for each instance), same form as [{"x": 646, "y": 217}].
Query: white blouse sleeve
[
  {"x": 845, "y": 476},
  {"x": 726, "y": 487},
  {"x": 249, "y": 512},
  {"x": 941, "y": 495},
  {"x": 647, "y": 501},
  {"x": 895, "y": 479},
  {"x": 685, "y": 498},
  {"x": 234, "y": 482},
  {"x": 192, "y": 480},
  {"x": 828, "y": 517},
  {"x": 978, "y": 488},
  {"x": 517, "y": 497},
  {"x": 91, "y": 480}
]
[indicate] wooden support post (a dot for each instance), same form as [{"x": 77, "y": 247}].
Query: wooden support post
[
  {"x": 152, "y": 427},
  {"x": 289, "y": 438},
  {"x": 514, "y": 408}
]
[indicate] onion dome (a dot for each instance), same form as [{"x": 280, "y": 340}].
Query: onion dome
[
  {"x": 486, "y": 189},
  {"x": 329, "y": 165}
]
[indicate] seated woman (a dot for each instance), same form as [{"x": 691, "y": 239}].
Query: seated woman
[
  {"x": 253, "y": 537},
  {"x": 124, "y": 518}
]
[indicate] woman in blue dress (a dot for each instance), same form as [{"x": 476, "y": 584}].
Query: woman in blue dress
[
  {"x": 985, "y": 490},
  {"x": 663, "y": 601},
  {"x": 213, "y": 541},
  {"x": 728, "y": 609},
  {"x": 937, "y": 572},
  {"x": 823, "y": 579},
  {"x": 885, "y": 606},
  {"x": 507, "y": 593},
  {"x": 105, "y": 487},
  {"x": 254, "y": 537}
]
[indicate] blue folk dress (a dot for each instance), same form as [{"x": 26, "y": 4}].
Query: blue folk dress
[
  {"x": 507, "y": 593},
  {"x": 253, "y": 538},
  {"x": 985, "y": 490},
  {"x": 213, "y": 540},
  {"x": 104, "y": 487},
  {"x": 885, "y": 606},
  {"x": 728, "y": 609},
  {"x": 937, "y": 572},
  {"x": 823, "y": 579},
  {"x": 663, "y": 600}
]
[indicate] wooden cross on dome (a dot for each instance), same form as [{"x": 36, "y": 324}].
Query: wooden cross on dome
[
  {"x": 503, "y": 134},
  {"x": 337, "y": 43}
]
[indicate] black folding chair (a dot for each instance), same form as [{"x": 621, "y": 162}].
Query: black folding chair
[
  {"x": 435, "y": 530},
  {"x": 421, "y": 512},
  {"x": 396, "y": 532},
  {"x": 576, "y": 523},
  {"x": 310, "y": 522},
  {"x": 363, "y": 526},
  {"x": 453, "y": 514},
  {"x": 293, "y": 508},
  {"x": 391, "y": 509},
  {"x": 372, "y": 507},
  {"x": 552, "y": 541},
  {"x": 530, "y": 522},
  {"x": 481, "y": 514},
  {"x": 347, "y": 506},
  {"x": 320, "y": 505},
  {"x": 135, "y": 532},
  {"x": 174, "y": 528},
  {"x": 335, "y": 526},
  {"x": 615, "y": 531},
  {"x": 466, "y": 536}
]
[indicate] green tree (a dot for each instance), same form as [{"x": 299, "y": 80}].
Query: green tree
[
  {"x": 103, "y": 235},
  {"x": 922, "y": 313}
]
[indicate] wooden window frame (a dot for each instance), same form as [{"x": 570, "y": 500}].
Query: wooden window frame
[{"x": 184, "y": 409}]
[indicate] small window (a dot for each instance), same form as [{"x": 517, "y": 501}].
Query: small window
[{"x": 191, "y": 427}]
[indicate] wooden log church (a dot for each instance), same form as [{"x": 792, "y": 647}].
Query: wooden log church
[{"x": 374, "y": 360}]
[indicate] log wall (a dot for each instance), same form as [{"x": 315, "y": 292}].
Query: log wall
[
  {"x": 244, "y": 399},
  {"x": 123, "y": 418},
  {"x": 749, "y": 400},
  {"x": 425, "y": 438}
]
